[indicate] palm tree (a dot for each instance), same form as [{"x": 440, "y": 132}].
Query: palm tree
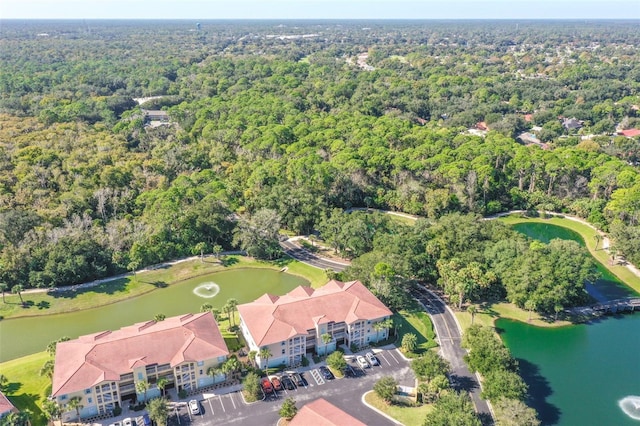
[
  {"x": 230, "y": 308},
  {"x": 231, "y": 366},
  {"x": 206, "y": 307},
  {"x": 472, "y": 309},
  {"x": 18, "y": 289},
  {"x": 252, "y": 357},
  {"x": 75, "y": 403},
  {"x": 3, "y": 381},
  {"x": 382, "y": 325},
  {"x": 265, "y": 354},
  {"x": 3, "y": 288},
  {"x": 326, "y": 339},
  {"x": 47, "y": 369},
  {"x": 161, "y": 384},
  {"x": 217, "y": 249},
  {"x": 142, "y": 387},
  {"x": 200, "y": 248}
]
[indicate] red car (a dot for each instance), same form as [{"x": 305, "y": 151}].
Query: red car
[
  {"x": 277, "y": 385},
  {"x": 266, "y": 385}
]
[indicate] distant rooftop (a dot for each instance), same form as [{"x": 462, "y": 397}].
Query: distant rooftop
[{"x": 322, "y": 413}]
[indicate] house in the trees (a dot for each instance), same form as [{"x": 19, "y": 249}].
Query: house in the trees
[
  {"x": 312, "y": 321},
  {"x": 102, "y": 369},
  {"x": 6, "y": 407}
]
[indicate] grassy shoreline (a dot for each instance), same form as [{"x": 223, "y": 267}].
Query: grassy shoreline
[
  {"x": 489, "y": 313},
  {"x": 120, "y": 289}
]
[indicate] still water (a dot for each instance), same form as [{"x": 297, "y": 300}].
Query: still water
[
  {"x": 23, "y": 336},
  {"x": 586, "y": 374}
]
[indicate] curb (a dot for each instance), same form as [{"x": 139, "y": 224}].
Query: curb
[{"x": 366, "y": 404}]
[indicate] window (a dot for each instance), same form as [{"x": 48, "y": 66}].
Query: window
[
  {"x": 140, "y": 376},
  {"x": 63, "y": 397},
  {"x": 201, "y": 372},
  {"x": 283, "y": 352},
  {"x": 89, "y": 401},
  {"x": 200, "y": 363},
  {"x": 87, "y": 391},
  {"x": 283, "y": 343}
]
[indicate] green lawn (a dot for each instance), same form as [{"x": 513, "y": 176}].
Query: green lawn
[
  {"x": 408, "y": 416},
  {"x": 414, "y": 320},
  {"x": 144, "y": 282},
  {"x": 26, "y": 388}
]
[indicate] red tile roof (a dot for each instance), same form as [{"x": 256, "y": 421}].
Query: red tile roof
[
  {"x": 6, "y": 406},
  {"x": 630, "y": 133},
  {"x": 322, "y": 413},
  {"x": 94, "y": 358},
  {"x": 271, "y": 319}
]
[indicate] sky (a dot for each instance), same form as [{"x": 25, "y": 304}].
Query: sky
[{"x": 319, "y": 9}]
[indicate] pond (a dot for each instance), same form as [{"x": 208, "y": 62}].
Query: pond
[
  {"x": 23, "y": 336},
  {"x": 585, "y": 374},
  {"x": 607, "y": 287}
]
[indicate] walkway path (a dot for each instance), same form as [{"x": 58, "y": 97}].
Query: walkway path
[{"x": 295, "y": 251}]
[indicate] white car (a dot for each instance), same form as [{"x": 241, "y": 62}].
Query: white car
[
  {"x": 127, "y": 422},
  {"x": 372, "y": 358},
  {"x": 194, "y": 407},
  {"x": 362, "y": 362}
]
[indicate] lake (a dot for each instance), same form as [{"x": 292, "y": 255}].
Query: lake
[
  {"x": 577, "y": 375},
  {"x": 23, "y": 336}
]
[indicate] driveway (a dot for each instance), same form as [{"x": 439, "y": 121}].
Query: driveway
[
  {"x": 345, "y": 393},
  {"x": 448, "y": 335}
]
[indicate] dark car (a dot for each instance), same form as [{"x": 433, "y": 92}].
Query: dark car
[
  {"x": 348, "y": 372},
  {"x": 287, "y": 383},
  {"x": 297, "y": 379},
  {"x": 326, "y": 373}
]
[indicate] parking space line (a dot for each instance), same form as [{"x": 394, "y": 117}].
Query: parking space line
[
  {"x": 317, "y": 377},
  {"x": 394, "y": 358},
  {"x": 232, "y": 401},
  {"x": 220, "y": 399},
  {"x": 381, "y": 355},
  {"x": 211, "y": 406}
]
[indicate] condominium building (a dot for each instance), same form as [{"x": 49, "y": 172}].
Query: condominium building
[
  {"x": 101, "y": 370},
  {"x": 313, "y": 321}
]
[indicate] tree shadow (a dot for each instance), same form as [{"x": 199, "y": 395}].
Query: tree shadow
[
  {"x": 229, "y": 261},
  {"x": 110, "y": 287},
  {"x": 159, "y": 284},
  {"x": 539, "y": 391},
  {"x": 28, "y": 304},
  {"x": 43, "y": 305},
  {"x": 460, "y": 383},
  {"x": 11, "y": 388}
]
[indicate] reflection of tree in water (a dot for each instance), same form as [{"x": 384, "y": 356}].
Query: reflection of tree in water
[{"x": 539, "y": 391}]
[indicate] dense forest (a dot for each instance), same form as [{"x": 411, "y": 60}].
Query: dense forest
[{"x": 283, "y": 125}]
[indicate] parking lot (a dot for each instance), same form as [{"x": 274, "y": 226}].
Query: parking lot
[{"x": 345, "y": 393}]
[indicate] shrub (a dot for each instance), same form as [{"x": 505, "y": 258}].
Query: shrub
[
  {"x": 386, "y": 388},
  {"x": 305, "y": 361},
  {"x": 289, "y": 409},
  {"x": 336, "y": 361}
]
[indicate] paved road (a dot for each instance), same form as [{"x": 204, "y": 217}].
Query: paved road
[
  {"x": 309, "y": 258},
  {"x": 449, "y": 338}
]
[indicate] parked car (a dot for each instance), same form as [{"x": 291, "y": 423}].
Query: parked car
[
  {"x": 145, "y": 420},
  {"x": 127, "y": 422},
  {"x": 348, "y": 372},
  {"x": 287, "y": 383},
  {"x": 362, "y": 362},
  {"x": 266, "y": 385},
  {"x": 297, "y": 379},
  {"x": 194, "y": 407},
  {"x": 326, "y": 373},
  {"x": 372, "y": 358},
  {"x": 275, "y": 381}
]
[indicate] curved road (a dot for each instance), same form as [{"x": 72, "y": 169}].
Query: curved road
[
  {"x": 444, "y": 321},
  {"x": 303, "y": 255}
]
